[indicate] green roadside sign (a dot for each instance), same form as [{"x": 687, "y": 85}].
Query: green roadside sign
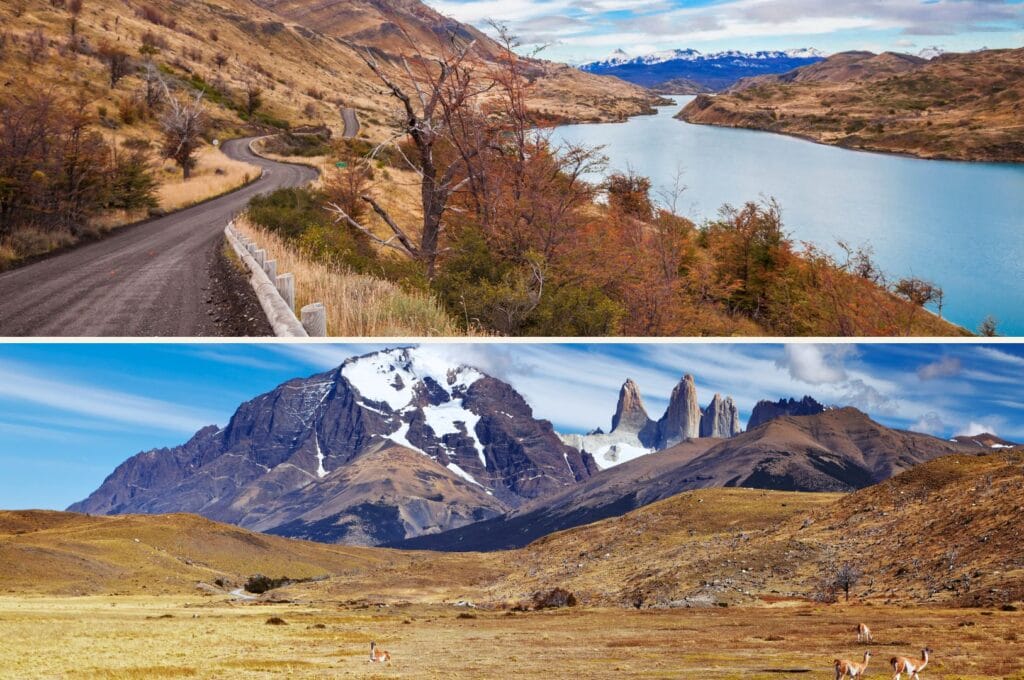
[{"x": 341, "y": 164}]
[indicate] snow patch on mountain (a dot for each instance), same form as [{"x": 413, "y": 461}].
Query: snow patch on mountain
[
  {"x": 465, "y": 475},
  {"x": 391, "y": 377},
  {"x": 620, "y": 57},
  {"x": 444, "y": 418},
  {"x": 608, "y": 448}
]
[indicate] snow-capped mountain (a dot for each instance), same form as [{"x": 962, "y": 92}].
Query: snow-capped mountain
[
  {"x": 388, "y": 445},
  {"x": 714, "y": 71}
]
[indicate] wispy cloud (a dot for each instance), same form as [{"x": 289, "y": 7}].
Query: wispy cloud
[
  {"x": 581, "y": 27},
  {"x": 23, "y": 384}
]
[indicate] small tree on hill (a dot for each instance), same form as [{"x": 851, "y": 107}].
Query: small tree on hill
[
  {"x": 117, "y": 61},
  {"x": 845, "y": 578}
]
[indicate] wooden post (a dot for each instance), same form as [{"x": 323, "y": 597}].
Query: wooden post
[
  {"x": 286, "y": 287},
  {"x": 260, "y": 256},
  {"x": 314, "y": 320},
  {"x": 270, "y": 267}
]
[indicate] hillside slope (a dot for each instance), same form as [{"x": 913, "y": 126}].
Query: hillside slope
[
  {"x": 955, "y": 106},
  {"x": 306, "y": 59},
  {"x": 67, "y": 553},
  {"x": 945, "y": 532}
]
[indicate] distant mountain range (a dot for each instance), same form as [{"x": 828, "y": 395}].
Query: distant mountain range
[
  {"x": 405, "y": 448},
  {"x": 688, "y": 71}
]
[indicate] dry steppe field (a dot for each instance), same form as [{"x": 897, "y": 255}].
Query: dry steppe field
[{"x": 194, "y": 637}]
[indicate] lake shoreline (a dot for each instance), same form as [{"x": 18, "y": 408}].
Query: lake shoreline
[{"x": 949, "y": 221}]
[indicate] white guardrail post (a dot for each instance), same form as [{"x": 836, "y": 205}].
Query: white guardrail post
[
  {"x": 276, "y": 293},
  {"x": 314, "y": 320}
]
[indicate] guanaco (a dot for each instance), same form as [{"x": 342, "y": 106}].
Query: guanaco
[
  {"x": 901, "y": 665},
  {"x": 863, "y": 633},
  {"x": 852, "y": 669},
  {"x": 379, "y": 655}
]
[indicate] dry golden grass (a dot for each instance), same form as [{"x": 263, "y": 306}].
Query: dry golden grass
[
  {"x": 357, "y": 305},
  {"x": 128, "y": 638},
  {"x": 214, "y": 174}
]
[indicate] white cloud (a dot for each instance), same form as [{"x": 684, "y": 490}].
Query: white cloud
[
  {"x": 815, "y": 364},
  {"x": 973, "y": 429},
  {"x": 27, "y": 385}
]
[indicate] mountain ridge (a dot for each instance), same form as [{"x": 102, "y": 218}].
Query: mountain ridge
[{"x": 472, "y": 433}]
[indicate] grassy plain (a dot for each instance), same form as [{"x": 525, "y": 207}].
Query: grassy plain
[{"x": 194, "y": 637}]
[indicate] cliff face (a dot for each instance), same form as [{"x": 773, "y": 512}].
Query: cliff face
[
  {"x": 298, "y": 460},
  {"x": 682, "y": 417},
  {"x": 720, "y": 419}
]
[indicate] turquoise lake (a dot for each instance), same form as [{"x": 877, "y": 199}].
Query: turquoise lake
[{"x": 959, "y": 225}]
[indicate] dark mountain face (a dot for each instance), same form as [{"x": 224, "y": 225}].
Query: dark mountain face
[
  {"x": 703, "y": 72},
  {"x": 290, "y": 455},
  {"x": 769, "y": 410},
  {"x": 836, "y": 450}
]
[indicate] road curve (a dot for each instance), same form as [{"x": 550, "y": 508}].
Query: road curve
[
  {"x": 351, "y": 120},
  {"x": 149, "y": 280}
]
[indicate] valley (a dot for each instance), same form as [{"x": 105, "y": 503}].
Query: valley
[{"x": 719, "y": 583}]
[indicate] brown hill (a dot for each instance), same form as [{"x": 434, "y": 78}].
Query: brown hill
[
  {"x": 304, "y": 56},
  {"x": 59, "y": 552},
  {"x": 834, "y": 451},
  {"x": 956, "y": 106},
  {"x": 841, "y": 68},
  {"x": 947, "y": 532}
]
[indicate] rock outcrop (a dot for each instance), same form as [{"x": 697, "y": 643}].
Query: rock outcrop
[
  {"x": 682, "y": 417},
  {"x": 721, "y": 419},
  {"x": 769, "y": 410},
  {"x": 630, "y": 413}
]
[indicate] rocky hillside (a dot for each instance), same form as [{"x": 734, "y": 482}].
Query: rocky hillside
[
  {"x": 955, "y": 106},
  {"x": 634, "y": 434},
  {"x": 387, "y": 446},
  {"x": 305, "y": 59},
  {"x": 945, "y": 532},
  {"x": 839, "y": 450}
]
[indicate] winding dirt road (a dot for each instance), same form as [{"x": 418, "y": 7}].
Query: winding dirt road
[{"x": 150, "y": 280}]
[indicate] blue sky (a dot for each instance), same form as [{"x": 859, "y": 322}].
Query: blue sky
[
  {"x": 69, "y": 414},
  {"x": 580, "y": 30}
]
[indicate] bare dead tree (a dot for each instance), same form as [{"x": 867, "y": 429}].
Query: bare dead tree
[
  {"x": 183, "y": 124},
  {"x": 253, "y": 97},
  {"x": 436, "y": 90},
  {"x": 154, "y": 90}
]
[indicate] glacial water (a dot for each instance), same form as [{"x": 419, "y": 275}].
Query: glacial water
[{"x": 960, "y": 225}]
